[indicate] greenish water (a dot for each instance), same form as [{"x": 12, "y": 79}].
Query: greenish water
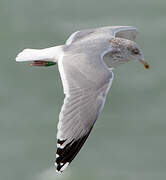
[{"x": 129, "y": 139}]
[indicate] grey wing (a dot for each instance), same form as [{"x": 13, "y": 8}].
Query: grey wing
[
  {"x": 78, "y": 35},
  {"x": 85, "y": 96},
  {"x": 126, "y": 32}
]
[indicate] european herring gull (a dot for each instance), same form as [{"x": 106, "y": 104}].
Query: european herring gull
[{"x": 85, "y": 64}]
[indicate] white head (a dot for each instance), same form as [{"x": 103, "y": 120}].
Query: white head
[{"x": 123, "y": 50}]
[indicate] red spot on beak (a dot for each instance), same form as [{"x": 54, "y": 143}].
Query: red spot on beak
[{"x": 146, "y": 65}]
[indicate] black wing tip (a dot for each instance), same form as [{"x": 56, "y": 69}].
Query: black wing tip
[
  {"x": 61, "y": 167},
  {"x": 60, "y": 142},
  {"x": 66, "y": 154}
]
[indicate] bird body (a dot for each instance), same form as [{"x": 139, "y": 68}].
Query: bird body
[{"x": 85, "y": 64}]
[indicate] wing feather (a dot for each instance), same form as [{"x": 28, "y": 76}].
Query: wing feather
[
  {"x": 84, "y": 99},
  {"x": 78, "y": 35},
  {"x": 126, "y": 32}
]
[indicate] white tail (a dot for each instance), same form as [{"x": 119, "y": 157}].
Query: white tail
[{"x": 48, "y": 54}]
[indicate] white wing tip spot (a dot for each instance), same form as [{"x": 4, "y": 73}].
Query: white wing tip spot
[
  {"x": 60, "y": 146},
  {"x": 64, "y": 167},
  {"x": 57, "y": 155},
  {"x": 59, "y": 172}
]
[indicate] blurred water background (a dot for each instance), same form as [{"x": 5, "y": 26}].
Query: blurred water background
[{"x": 129, "y": 139}]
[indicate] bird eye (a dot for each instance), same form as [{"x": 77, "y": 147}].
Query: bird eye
[{"x": 135, "y": 51}]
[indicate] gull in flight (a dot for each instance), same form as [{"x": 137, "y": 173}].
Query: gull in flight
[{"x": 85, "y": 63}]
